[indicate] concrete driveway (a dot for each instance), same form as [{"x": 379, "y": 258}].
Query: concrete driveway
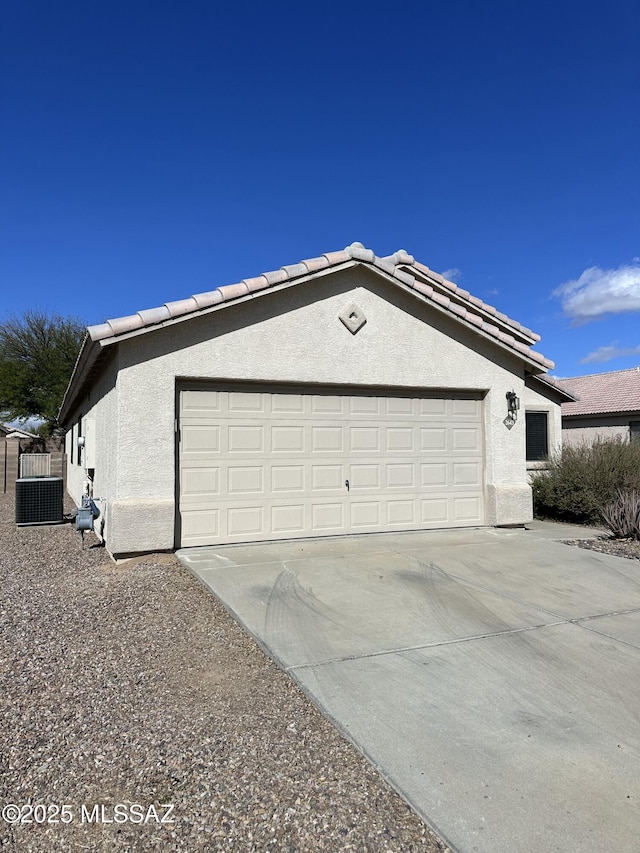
[{"x": 493, "y": 676}]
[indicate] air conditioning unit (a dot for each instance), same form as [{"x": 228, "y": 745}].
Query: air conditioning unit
[{"x": 39, "y": 500}]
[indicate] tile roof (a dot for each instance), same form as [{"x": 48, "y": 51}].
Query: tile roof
[
  {"x": 600, "y": 393},
  {"x": 400, "y": 266},
  {"x": 552, "y": 382}
]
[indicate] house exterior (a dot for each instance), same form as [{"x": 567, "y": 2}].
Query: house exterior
[
  {"x": 349, "y": 393},
  {"x": 607, "y": 406}
]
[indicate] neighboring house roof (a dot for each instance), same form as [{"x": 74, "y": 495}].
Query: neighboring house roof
[
  {"x": 13, "y": 432},
  {"x": 400, "y": 268},
  {"x": 604, "y": 393}
]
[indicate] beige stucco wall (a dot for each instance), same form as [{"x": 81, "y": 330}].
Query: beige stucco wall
[
  {"x": 588, "y": 430},
  {"x": 101, "y": 406},
  {"x": 294, "y": 335}
]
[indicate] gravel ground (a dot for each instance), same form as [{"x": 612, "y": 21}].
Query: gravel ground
[
  {"x": 629, "y": 548},
  {"x": 131, "y": 684}
]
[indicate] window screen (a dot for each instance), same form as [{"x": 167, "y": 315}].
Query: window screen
[{"x": 536, "y": 429}]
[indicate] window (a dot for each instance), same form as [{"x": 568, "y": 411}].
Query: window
[
  {"x": 634, "y": 431},
  {"x": 537, "y": 436}
]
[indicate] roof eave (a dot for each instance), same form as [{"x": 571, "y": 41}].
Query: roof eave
[{"x": 87, "y": 357}]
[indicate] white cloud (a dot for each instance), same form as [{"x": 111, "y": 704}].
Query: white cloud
[
  {"x": 608, "y": 353},
  {"x": 454, "y": 274},
  {"x": 598, "y": 292}
]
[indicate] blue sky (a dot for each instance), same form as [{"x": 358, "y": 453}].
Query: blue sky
[{"x": 155, "y": 150}]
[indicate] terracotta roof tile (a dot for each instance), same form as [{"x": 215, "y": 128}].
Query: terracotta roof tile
[
  {"x": 122, "y": 325},
  {"x": 359, "y": 253},
  {"x": 404, "y": 277},
  {"x": 441, "y": 299},
  {"x": 600, "y": 393},
  {"x": 275, "y": 277},
  {"x": 259, "y": 282},
  {"x": 154, "y": 315},
  {"x": 385, "y": 265},
  {"x": 295, "y": 270},
  {"x": 315, "y": 264},
  {"x": 233, "y": 291},
  {"x": 203, "y": 300},
  {"x": 183, "y": 306},
  {"x": 423, "y": 287},
  {"x": 101, "y": 331},
  {"x": 338, "y": 257}
]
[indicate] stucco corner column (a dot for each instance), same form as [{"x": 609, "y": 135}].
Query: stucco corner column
[
  {"x": 509, "y": 504},
  {"x": 137, "y": 525}
]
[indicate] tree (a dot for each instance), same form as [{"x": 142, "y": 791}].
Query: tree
[{"x": 37, "y": 356}]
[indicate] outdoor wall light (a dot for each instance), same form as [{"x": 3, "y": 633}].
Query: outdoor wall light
[{"x": 513, "y": 404}]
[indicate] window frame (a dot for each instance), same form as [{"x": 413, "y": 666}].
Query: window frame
[{"x": 543, "y": 416}]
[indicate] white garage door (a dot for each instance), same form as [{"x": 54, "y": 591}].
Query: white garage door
[{"x": 264, "y": 465}]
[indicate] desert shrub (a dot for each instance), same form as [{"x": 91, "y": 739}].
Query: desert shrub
[
  {"x": 622, "y": 514},
  {"x": 582, "y": 479}
]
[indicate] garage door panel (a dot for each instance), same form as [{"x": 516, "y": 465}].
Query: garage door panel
[
  {"x": 466, "y": 408},
  {"x": 467, "y": 509},
  {"x": 199, "y": 482},
  {"x": 288, "y": 519},
  {"x": 328, "y": 517},
  {"x": 365, "y": 476},
  {"x": 365, "y": 515},
  {"x": 245, "y": 479},
  {"x": 364, "y": 439},
  {"x": 328, "y": 477},
  {"x": 465, "y": 439},
  {"x": 400, "y": 406},
  {"x": 327, "y": 439},
  {"x": 198, "y": 403},
  {"x": 199, "y": 438},
  {"x": 245, "y": 520},
  {"x": 330, "y": 405},
  {"x": 257, "y": 465},
  {"x": 433, "y": 407},
  {"x": 364, "y": 406},
  {"x": 287, "y": 478},
  {"x": 199, "y": 526},
  {"x": 287, "y": 439},
  {"x": 466, "y": 474},
  {"x": 401, "y": 475},
  {"x": 399, "y": 439},
  {"x": 433, "y": 474},
  {"x": 433, "y": 439},
  {"x": 401, "y": 512},
  {"x": 246, "y": 401},
  {"x": 246, "y": 439},
  {"x": 288, "y": 404},
  {"x": 435, "y": 511}
]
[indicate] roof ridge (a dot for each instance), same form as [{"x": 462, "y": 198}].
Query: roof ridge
[
  {"x": 603, "y": 373},
  {"x": 393, "y": 265}
]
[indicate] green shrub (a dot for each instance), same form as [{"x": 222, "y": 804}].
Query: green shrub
[{"x": 582, "y": 479}]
